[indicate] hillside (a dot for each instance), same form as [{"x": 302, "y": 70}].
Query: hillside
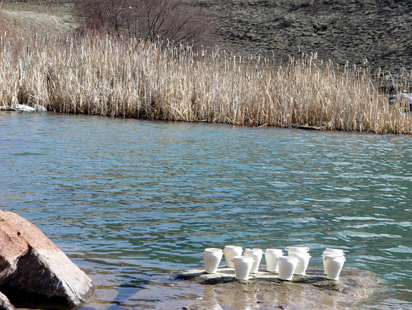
[
  {"x": 340, "y": 30},
  {"x": 44, "y": 15}
]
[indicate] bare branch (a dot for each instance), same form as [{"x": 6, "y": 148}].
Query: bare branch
[{"x": 148, "y": 19}]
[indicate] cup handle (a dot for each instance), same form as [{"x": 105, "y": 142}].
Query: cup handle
[
  {"x": 307, "y": 249},
  {"x": 287, "y": 248}
]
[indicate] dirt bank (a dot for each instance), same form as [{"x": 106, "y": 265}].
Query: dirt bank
[{"x": 340, "y": 30}]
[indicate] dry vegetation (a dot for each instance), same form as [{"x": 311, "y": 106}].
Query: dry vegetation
[
  {"x": 110, "y": 76},
  {"x": 44, "y": 15}
]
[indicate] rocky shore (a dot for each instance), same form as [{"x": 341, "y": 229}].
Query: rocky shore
[
  {"x": 265, "y": 291},
  {"x": 34, "y": 273}
]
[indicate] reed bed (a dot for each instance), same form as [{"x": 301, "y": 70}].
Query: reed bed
[{"x": 108, "y": 76}]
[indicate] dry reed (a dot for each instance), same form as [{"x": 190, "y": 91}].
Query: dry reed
[{"x": 106, "y": 76}]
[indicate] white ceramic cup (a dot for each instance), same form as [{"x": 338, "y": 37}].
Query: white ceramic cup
[
  {"x": 272, "y": 256},
  {"x": 243, "y": 266},
  {"x": 287, "y": 266},
  {"x": 299, "y": 249},
  {"x": 303, "y": 262},
  {"x": 334, "y": 265},
  {"x": 230, "y": 252},
  {"x": 330, "y": 251},
  {"x": 212, "y": 258},
  {"x": 257, "y": 256}
]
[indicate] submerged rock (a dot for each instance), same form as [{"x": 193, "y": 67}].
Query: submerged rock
[
  {"x": 307, "y": 127},
  {"x": 265, "y": 291},
  {"x": 24, "y": 108},
  {"x": 5, "y": 108},
  {"x": 34, "y": 272}
]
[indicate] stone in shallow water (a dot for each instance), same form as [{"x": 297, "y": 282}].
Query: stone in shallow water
[
  {"x": 265, "y": 291},
  {"x": 39, "y": 108},
  {"x": 34, "y": 272}
]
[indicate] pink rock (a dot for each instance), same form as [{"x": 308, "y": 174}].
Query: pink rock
[{"x": 33, "y": 271}]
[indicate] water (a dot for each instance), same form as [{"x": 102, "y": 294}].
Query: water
[{"x": 130, "y": 200}]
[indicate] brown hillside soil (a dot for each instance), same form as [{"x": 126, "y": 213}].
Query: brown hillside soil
[{"x": 340, "y": 30}]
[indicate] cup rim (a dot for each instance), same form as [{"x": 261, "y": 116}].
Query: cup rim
[
  {"x": 291, "y": 248},
  {"x": 242, "y": 258},
  {"x": 254, "y": 250},
  {"x": 334, "y": 251},
  {"x": 231, "y": 246},
  {"x": 333, "y": 254},
  {"x": 274, "y": 250},
  {"x": 288, "y": 258}
]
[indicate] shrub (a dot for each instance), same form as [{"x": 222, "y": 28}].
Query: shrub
[{"x": 149, "y": 20}]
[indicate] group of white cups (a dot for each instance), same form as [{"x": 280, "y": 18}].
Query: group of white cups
[{"x": 296, "y": 262}]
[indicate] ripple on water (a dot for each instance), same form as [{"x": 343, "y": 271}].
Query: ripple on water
[{"x": 128, "y": 200}]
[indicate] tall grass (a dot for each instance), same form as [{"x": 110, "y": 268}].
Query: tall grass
[{"x": 106, "y": 76}]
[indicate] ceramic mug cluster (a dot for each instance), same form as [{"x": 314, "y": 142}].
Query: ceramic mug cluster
[{"x": 295, "y": 263}]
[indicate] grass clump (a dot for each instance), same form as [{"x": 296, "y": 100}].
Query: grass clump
[
  {"x": 44, "y": 15},
  {"x": 103, "y": 75}
]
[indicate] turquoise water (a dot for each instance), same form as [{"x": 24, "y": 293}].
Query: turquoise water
[{"x": 130, "y": 200}]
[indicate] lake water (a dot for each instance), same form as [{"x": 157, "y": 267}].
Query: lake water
[{"x": 129, "y": 200}]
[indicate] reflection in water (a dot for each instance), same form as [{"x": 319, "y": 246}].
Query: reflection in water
[{"x": 128, "y": 200}]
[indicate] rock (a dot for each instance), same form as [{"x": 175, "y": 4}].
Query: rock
[
  {"x": 5, "y": 108},
  {"x": 39, "y": 108},
  {"x": 313, "y": 291},
  {"x": 34, "y": 272},
  {"x": 402, "y": 97},
  {"x": 307, "y": 127},
  {"x": 5, "y": 303},
  {"x": 24, "y": 108}
]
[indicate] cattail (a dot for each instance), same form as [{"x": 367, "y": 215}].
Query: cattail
[{"x": 108, "y": 76}]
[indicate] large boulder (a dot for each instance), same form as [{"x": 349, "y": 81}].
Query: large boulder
[{"x": 34, "y": 272}]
